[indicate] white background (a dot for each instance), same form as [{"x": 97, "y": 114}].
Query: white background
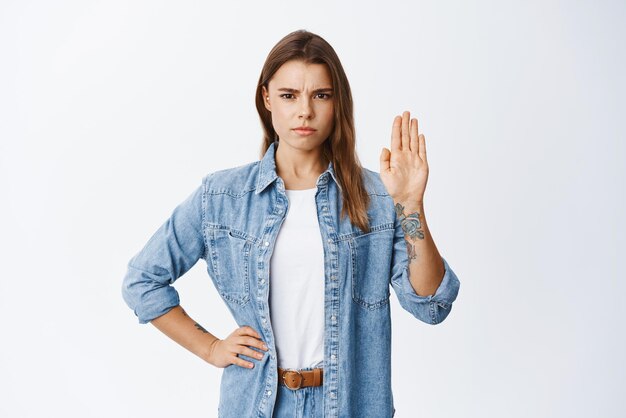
[{"x": 111, "y": 113}]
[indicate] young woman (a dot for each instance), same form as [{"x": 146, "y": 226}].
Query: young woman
[{"x": 302, "y": 246}]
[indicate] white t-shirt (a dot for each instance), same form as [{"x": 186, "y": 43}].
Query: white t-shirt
[{"x": 297, "y": 284}]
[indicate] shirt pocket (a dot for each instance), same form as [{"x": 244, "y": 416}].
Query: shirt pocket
[
  {"x": 230, "y": 255},
  {"x": 371, "y": 268}
]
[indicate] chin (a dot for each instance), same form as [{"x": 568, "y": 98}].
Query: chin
[{"x": 304, "y": 144}]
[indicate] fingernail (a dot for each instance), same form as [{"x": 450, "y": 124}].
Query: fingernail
[{"x": 264, "y": 346}]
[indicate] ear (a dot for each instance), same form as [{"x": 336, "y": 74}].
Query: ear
[{"x": 265, "y": 94}]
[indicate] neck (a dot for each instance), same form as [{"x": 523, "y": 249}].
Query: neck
[
  {"x": 300, "y": 164},
  {"x": 300, "y": 169}
]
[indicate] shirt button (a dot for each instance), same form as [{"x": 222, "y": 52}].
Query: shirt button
[
  {"x": 333, "y": 318},
  {"x": 266, "y": 243},
  {"x": 332, "y": 356},
  {"x": 333, "y": 277},
  {"x": 332, "y": 395},
  {"x": 262, "y": 281},
  {"x": 269, "y": 393},
  {"x": 330, "y": 240},
  {"x": 264, "y": 321},
  {"x": 279, "y": 211}
]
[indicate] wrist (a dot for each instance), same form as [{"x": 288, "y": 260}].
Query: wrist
[
  {"x": 209, "y": 355},
  {"x": 408, "y": 206},
  {"x": 411, "y": 218}
]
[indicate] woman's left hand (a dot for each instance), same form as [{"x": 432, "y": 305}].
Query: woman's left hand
[{"x": 404, "y": 169}]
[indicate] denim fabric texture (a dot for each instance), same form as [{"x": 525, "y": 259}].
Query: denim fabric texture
[{"x": 231, "y": 221}]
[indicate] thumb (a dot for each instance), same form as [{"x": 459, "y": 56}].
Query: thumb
[{"x": 385, "y": 160}]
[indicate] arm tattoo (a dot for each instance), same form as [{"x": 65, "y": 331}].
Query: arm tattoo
[
  {"x": 200, "y": 328},
  {"x": 411, "y": 226}
]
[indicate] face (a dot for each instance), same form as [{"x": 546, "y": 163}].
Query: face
[{"x": 301, "y": 95}]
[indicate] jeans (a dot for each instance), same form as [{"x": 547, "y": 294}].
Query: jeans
[{"x": 307, "y": 402}]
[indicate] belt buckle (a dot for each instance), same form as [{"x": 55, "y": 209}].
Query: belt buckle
[{"x": 293, "y": 371}]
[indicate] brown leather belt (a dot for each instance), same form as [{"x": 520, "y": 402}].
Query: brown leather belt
[{"x": 296, "y": 379}]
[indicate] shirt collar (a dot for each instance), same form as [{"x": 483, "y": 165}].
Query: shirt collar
[{"x": 267, "y": 171}]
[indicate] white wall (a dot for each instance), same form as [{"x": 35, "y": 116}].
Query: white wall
[{"x": 111, "y": 113}]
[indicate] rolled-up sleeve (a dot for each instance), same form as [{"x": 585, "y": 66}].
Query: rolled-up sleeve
[
  {"x": 431, "y": 309},
  {"x": 171, "y": 251}
]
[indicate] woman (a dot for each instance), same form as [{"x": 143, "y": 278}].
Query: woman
[{"x": 329, "y": 236}]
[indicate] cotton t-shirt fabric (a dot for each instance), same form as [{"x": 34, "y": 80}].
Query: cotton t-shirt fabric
[{"x": 297, "y": 284}]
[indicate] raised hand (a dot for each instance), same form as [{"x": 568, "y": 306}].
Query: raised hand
[{"x": 404, "y": 169}]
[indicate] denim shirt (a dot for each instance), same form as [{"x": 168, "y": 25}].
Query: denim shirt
[{"x": 231, "y": 221}]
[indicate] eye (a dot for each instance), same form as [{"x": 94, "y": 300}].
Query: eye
[
  {"x": 323, "y": 95},
  {"x": 284, "y": 96}
]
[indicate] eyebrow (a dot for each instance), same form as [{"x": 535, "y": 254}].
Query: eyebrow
[{"x": 288, "y": 90}]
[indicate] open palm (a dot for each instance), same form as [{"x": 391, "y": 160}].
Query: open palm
[{"x": 404, "y": 169}]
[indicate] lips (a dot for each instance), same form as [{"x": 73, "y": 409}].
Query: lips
[{"x": 304, "y": 131}]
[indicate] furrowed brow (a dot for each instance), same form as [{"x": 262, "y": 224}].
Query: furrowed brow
[{"x": 322, "y": 90}]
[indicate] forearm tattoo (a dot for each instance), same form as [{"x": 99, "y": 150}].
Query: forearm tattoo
[
  {"x": 201, "y": 328},
  {"x": 411, "y": 226},
  {"x": 198, "y": 326}
]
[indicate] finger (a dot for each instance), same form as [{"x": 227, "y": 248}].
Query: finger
[
  {"x": 247, "y": 330},
  {"x": 396, "y": 136},
  {"x": 238, "y": 361},
  {"x": 414, "y": 136},
  {"x": 385, "y": 160},
  {"x": 252, "y": 342},
  {"x": 245, "y": 351},
  {"x": 251, "y": 353},
  {"x": 405, "y": 131},
  {"x": 234, "y": 350},
  {"x": 422, "y": 147}
]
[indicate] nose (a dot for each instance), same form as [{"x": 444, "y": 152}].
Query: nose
[{"x": 306, "y": 110}]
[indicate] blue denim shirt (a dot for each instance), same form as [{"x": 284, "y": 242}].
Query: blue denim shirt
[{"x": 231, "y": 221}]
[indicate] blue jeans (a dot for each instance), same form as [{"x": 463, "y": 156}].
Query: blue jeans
[{"x": 305, "y": 402}]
